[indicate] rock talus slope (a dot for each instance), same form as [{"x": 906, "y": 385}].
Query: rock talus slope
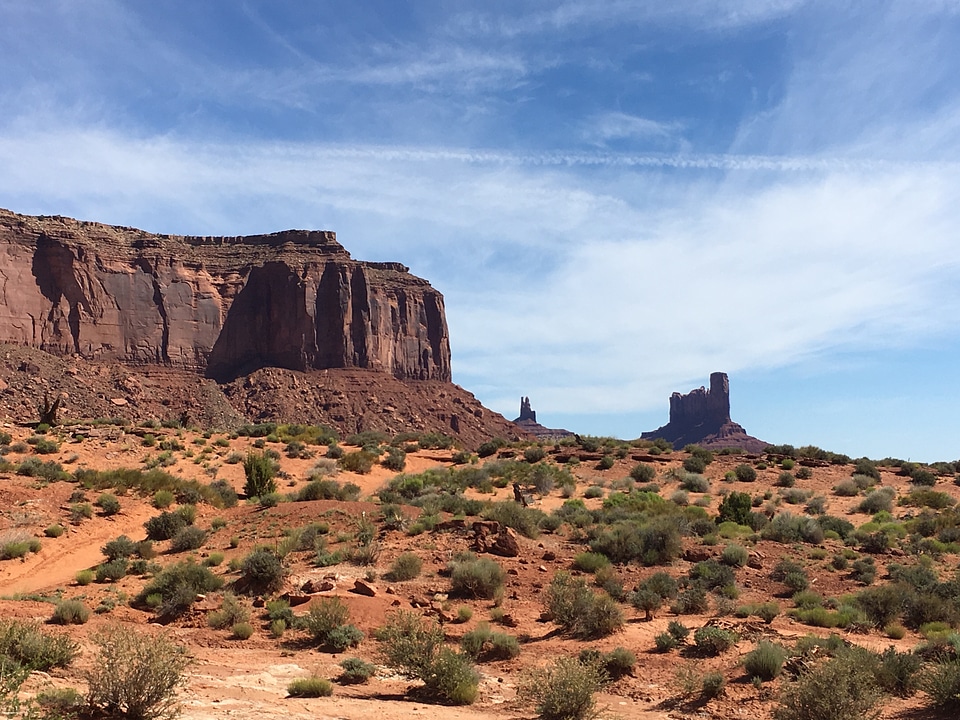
[{"x": 222, "y": 306}]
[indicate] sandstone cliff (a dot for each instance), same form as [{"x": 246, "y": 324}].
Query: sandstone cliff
[
  {"x": 220, "y": 306},
  {"x": 702, "y": 417}
]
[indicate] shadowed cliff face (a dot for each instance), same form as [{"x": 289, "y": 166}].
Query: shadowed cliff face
[{"x": 219, "y": 306}]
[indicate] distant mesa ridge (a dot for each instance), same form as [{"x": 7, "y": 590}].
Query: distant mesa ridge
[
  {"x": 702, "y": 417},
  {"x": 221, "y": 306}
]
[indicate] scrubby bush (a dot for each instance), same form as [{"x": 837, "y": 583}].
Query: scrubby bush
[
  {"x": 188, "y": 538},
  {"x": 643, "y": 473},
  {"x": 70, "y": 612},
  {"x": 842, "y": 688},
  {"x": 407, "y": 566},
  {"x": 262, "y": 572},
  {"x": 734, "y": 555},
  {"x": 358, "y": 461},
  {"x": 942, "y": 684},
  {"x": 712, "y": 640},
  {"x": 580, "y": 612},
  {"x": 789, "y": 528},
  {"x": 355, "y": 671},
  {"x": 26, "y": 644},
  {"x": 112, "y": 571},
  {"x": 311, "y": 687},
  {"x": 108, "y": 504},
  {"x": 136, "y": 676},
  {"x": 656, "y": 542},
  {"x": 735, "y": 507},
  {"x": 232, "y": 611},
  {"x": 259, "y": 470},
  {"x": 415, "y": 649},
  {"x": 175, "y": 588},
  {"x": 165, "y": 525},
  {"x": 590, "y": 562},
  {"x": 665, "y": 642},
  {"x": 695, "y": 483},
  {"x": 482, "y": 644},
  {"x": 563, "y": 690},
  {"x": 877, "y": 501},
  {"x": 475, "y": 577},
  {"x": 745, "y": 473},
  {"x": 765, "y": 661}
]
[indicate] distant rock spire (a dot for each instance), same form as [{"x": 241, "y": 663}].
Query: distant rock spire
[
  {"x": 525, "y": 412},
  {"x": 702, "y": 417}
]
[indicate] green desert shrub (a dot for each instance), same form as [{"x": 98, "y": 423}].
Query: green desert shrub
[
  {"x": 765, "y": 661},
  {"x": 414, "y": 648},
  {"x": 70, "y": 612},
  {"x": 259, "y": 470},
  {"x": 877, "y": 501},
  {"x": 745, "y": 473},
  {"x": 175, "y": 588},
  {"x": 354, "y": 671},
  {"x": 28, "y": 645},
  {"x": 358, "y": 461},
  {"x": 643, "y": 473},
  {"x": 734, "y": 555},
  {"x": 261, "y": 572},
  {"x": 590, "y": 562},
  {"x": 579, "y": 611},
  {"x": 842, "y": 688},
  {"x": 188, "y": 538},
  {"x": 712, "y": 640},
  {"x": 108, "y": 504},
  {"x": 232, "y": 611},
  {"x": 483, "y": 644},
  {"x": 112, "y": 570},
  {"x": 165, "y": 525},
  {"x": 242, "y": 631},
  {"x": 942, "y": 683},
  {"x": 407, "y": 566},
  {"x": 475, "y": 577},
  {"x": 563, "y": 690},
  {"x": 311, "y": 687},
  {"x": 135, "y": 675}
]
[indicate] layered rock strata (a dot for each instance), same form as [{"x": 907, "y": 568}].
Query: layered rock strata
[{"x": 220, "y": 306}]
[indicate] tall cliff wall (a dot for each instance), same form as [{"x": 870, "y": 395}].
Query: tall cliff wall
[{"x": 222, "y": 306}]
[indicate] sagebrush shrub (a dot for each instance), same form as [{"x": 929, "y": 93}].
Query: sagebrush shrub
[
  {"x": 311, "y": 687},
  {"x": 712, "y": 640},
  {"x": 563, "y": 690},
  {"x": 765, "y": 661},
  {"x": 28, "y": 645},
  {"x": 355, "y": 671},
  {"x": 579, "y": 611},
  {"x": 841, "y": 688},
  {"x": 407, "y": 566},
  {"x": 136, "y": 676},
  {"x": 70, "y": 612},
  {"x": 477, "y": 578},
  {"x": 262, "y": 571},
  {"x": 414, "y": 648}
]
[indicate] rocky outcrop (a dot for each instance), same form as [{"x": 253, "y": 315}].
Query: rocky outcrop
[
  {"x": 702, "y": 417},
  {"x": 220, "y": 306},
  {"x": 527, "y": 422}
]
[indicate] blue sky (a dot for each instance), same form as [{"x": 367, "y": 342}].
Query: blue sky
[{"x": 616, "y": 198}]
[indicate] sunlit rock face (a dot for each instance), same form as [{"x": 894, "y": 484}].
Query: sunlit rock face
[{"x": 222, "y": 306}]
